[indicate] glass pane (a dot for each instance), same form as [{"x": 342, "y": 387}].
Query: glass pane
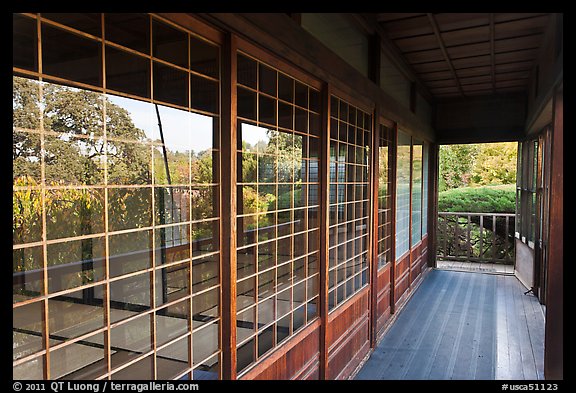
[
  {"x": 205, "y": 342},
  {"x": 266, "y": 255},
  {"x": 301, "y": 94},
  {"x": 25, "y": 159},
  {"x": 130, "y": 252},
  {"x": 30, "y": 370},
  {"x": 204, "y": 202},
  {"x": 267, "y": 80},
  {"x": 172, "y": 322},
  {"x": 129, "y": 29},
  {"x": 129, "y": 208},
  {"x": 85, "y": 359},
  {"x": 247, "y": 71},
  {"x": 245, "y": 355},
  {"x": 246, "y": 101},
  {"x": 416, "y": 192},
  {"x": 266, "y": 311},
  {"x": 283, "y": 329},
  {"x": 129, "y": 296},
  {"x": 130, "y": 340},
  {"x": 132, "y": 120},
  {"x": 266, "y": 284},
  {"x": 204, "y": 94},
  {"x": 25, "y": 47},
  {"x": 26, "y": 216},
  {"x": 27, "y": 274},
  {"x": 285, "y": 115},
  {"x": 299, "y": 318},
  {"x": 204, "y": 57},
  {"x": 142, "y": 370},
  {"x": 205, "y": 307},
  {"x": 70, "y": 56},
  {"x": 285, "y": 88},
  {"x": 245, "y": 261},
  {"x": 172, "y": 244},
  {"x": 71, "y": 161},
  {"x": 205, "y": 273},
  {"x": 27, "y": 330},
  {"x": 127, "y": 73},
  {"x": 74, "y": 212},
  {"x": 170, "y": 84},
  {"x": 266, "y": 110},
  {"x": 246, "y": 293},
  {"x": 75, "y": 263},
  {"x": 205, "y": 237},
  {"x": 208, "y": 369},
  {"x": 402, "y": 194},
  {"x": 172, "y": 283},
  {"x": 173, "y": 359},
  {"x": 75, "y": 314},
  {"x": 169, "y": 44},
  {"x": 129, "y": 163},
  {"x": 266, "y": 340},
  {"x": 171, "y": 205},
  {"x": 245, "y": 324}
]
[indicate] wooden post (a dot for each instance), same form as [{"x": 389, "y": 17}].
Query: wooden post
[
  {"x": 392, "y": 172},
  {"x": 375, "y": 169},
  {"x": 554, "y": 329},
  {"x": 228, "y": 218},
  {"x": 433, "y": 221},
  {"x": 324, "y": 224}
]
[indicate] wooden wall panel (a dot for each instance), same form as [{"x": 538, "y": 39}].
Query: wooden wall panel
[
  {"x": 383, "y": 298},
  {"x": 402, "y": 278},
  {"x": 348, "y": 338},
  {"x": 298, "y": 358}
]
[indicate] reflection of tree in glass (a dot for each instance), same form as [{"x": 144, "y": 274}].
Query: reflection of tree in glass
[
  {"x": 279, "y": 159},
  {"x": 70, "y": 160}
]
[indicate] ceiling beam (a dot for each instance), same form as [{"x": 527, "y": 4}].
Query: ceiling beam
[
  {"x": 443, "y": 49},
  {"x": 492, "y": 61},
  {"x": 393, "y": 53}
]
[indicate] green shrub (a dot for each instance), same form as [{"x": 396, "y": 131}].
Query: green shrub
[{"x": 487, "y": 199}]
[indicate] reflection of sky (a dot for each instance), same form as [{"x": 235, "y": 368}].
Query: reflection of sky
[
  {"x": 182, "y": 130},
  {"x": 253, "y": 134}
]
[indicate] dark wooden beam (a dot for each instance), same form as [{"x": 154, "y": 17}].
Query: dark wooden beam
[
  {"x": 443, "y": 49},
  {"x": 433, "y": 166},
  {"x": 374, "y": 169},
  {"x": 392, "y": 172},
  {"x": 554, "y": 329},
  {"x": 228, "y": 218},
  {"x": 324, "y": 224},
  {"x": 492, "y": 60}
]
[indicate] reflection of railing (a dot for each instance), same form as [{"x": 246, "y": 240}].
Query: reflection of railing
[{"x": 478, "y": 237}]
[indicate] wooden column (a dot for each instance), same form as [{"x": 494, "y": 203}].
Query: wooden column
[
  {"x": 324, "y": 224},
  {"x": 228, "y": 183},
  {"x": 375, "y": 168},
  {"x": 392, "y": 172},
  {"x": 554, "y": 329},
  {"x": 433, "y": 166}
]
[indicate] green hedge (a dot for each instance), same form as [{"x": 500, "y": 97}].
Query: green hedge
[{"x": 487, "y": 199}]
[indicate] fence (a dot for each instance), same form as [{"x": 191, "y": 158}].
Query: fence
[{"x": 476, "y": 237}]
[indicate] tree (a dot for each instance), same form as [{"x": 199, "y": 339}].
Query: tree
[
  {"x": 456, "y": 162},
  {"x": 495, "y": 163}
]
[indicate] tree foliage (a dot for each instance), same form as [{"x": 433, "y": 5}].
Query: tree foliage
[{"x": 477, "y": 165}]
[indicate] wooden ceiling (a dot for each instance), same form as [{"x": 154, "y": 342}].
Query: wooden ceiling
[{"x": 468, "y": 54}]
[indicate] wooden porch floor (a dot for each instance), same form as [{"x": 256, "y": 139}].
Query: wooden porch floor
[{"x": 462, "y": 325}]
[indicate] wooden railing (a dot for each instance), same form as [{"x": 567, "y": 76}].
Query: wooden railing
[{"x": 476, "y": 237}]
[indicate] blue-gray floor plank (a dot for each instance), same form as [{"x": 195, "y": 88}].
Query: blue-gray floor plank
[{"x": 461, "y": 325}]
